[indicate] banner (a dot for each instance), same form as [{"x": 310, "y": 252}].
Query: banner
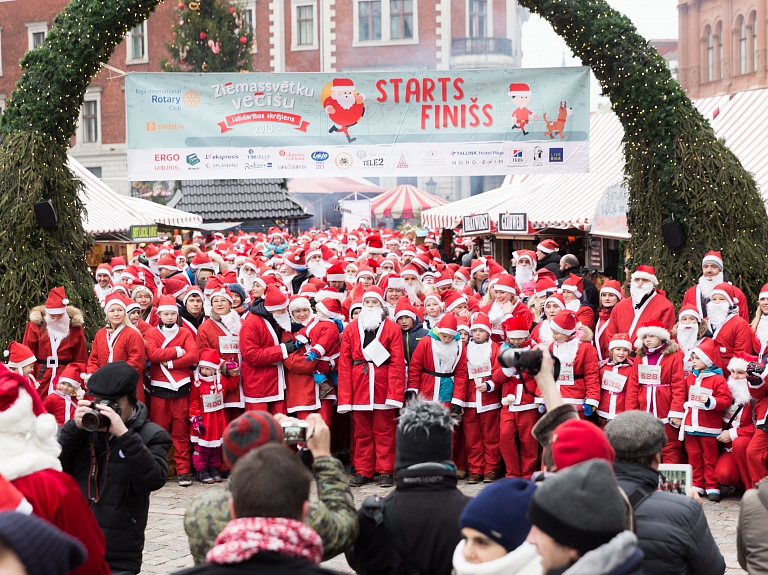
[{"x": 364, "y": 124}]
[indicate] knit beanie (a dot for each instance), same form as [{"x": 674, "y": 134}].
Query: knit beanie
[
  {"x": 636, "y": 435},
  {"x": 579, "y": 507},
  {"x": 498, "y": 512},
  {"x": 247, "y": 432},
  {"x": 41, "y": 547},
  {"x": 238, "y": 289},
  {"x": 424, "y": 433},
  {"x": 113, "y": 381}
]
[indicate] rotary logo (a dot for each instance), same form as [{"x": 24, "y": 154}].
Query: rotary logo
[
  {"x": 343, "y": 160},
  {"x": 191, "y": 99}
]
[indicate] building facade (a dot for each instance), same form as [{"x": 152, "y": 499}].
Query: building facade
[
  {"x": 722, "y": 46},
  {"x": 289, "y": 36}
]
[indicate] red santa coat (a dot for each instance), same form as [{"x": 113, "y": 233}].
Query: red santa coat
[
  {"x": 208, "y": 336},
  {"x": 739, "y": 422},
  {"x": 487, "y": 399},
  {"x": 342, "y": 117},
  {"x": 263, "y": 354},
  {"x": 423, "y": 361},
  {"x": 61, "y": 406},
  {"x": 734, "y": 336},
  {"x": 693, "y": 297},
  {"x": 536, "y": 336},
  {"x": 125, "y": 344},
  {"x": 586, "y": 316},
  {"x": 759, "y": 392},
  {"x": 179, "y": 352},
  {"x": 371, "y": 378},
  {"x": 706, "y": 420},
  {"x": 71, "y": 349},
  {"x": 206, "y": 400},
  {"x": 584, "y": 381},
  {"x": 525, "y": 392},
  {"x": 322, "y": 336},
  {"x": 602, "y": 340},
  {"x": 613, "y": 387},
  {"x": 665, "y": 399},
  {"x": 626, "y": 319}
]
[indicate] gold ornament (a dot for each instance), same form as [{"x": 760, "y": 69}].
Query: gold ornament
[
  {"x": 194, "y": 6},
  {"x": 205, "y": 66}
]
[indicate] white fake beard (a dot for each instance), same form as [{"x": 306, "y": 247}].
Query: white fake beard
[
  {"x": 687, "y": 336},
  {"x": 717, "y": 313},
  {"x": 574, "y": 305},
  {"x": 545, "y": 332},
  {"x": 117, "y": 277},
  {"x": 370, "y": 318},
  {"x": 102, "y": 293},
  {"x": 707, "y": 285},
  {"x": 566, "y": 352},
  {"x": 523, "y": 274},
  {"x": 247, "y": 281},
  {"x": 496, "y": 313},
  {"x": 351, "y": 278},
  {"x": 445, "y": 354},
  {"x": 638, "y": 293},
  {"x": 283, "y": 320},
  {"x": 232, "y": 322},
  {"x": 762, "y": 330},
  {"x": 478, "y": 353},
  {"x": 58, "y": 328},
  {"x": 459, "y": 285},
  {"x": 739, "y": 390},
  {"x": 317, "y": 269},
  {"x": 413, "y": 292}
]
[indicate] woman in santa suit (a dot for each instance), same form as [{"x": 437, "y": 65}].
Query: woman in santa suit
[
  {"x": 142, "y": 295},
  {"x": 573, "y": 290},
  {"x": 553, "y": 305},
  {"x": 118, "y": 341}
]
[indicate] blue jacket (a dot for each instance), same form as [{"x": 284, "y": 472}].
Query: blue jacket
[{"x": 411, "y": 339}]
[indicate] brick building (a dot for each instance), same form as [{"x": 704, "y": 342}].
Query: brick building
[
  {"x": 722, "y": 46},
  {"x": 290, "y": 36}
]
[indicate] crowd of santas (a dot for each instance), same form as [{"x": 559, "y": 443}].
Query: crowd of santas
[{"x": 340, "y": 324}]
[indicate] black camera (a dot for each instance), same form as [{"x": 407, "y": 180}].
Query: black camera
[
  {"x": 526, "y": 361},
  {"x": 94, "y": 419}
]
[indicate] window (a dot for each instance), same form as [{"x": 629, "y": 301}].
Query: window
[
  {"x": 710, "y": 55},
  {"x": 412, "y": 180},
  {"x": 90, "y": 121},
  {"x": 36, "y": 32},
  {"x": 742, "y": 46},
  {"x": 95, "y": 171},
  {"x": 719, "y": 59},
  {"x": 2, "y": 103},
  {"x": 305, "y": 19},
  {"x": 478, "y": 16},
  {"x": 136, "y": 45},
  {"x": 753, "y": 28},
  {"x": 401, "y": 19},
  {"x": 370, "y": 20}
]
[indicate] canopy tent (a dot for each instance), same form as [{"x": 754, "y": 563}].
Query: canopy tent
[
  {"x": 163, "y": 215},
  {"x": 404, "y": 201},
  {"x": 332, "y": 186}
]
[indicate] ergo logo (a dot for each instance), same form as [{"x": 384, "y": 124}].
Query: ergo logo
[{"x": 167, "y": 157}]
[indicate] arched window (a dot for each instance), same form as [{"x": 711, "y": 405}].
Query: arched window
[
  {"x": 753, "y": 27},
  {"x": 719, "y": 55},
  {"x": 742, "y": 27},
  {"x": 710, "y": 54}
]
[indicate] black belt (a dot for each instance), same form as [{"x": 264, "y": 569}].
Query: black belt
[
  {"x": 436, "y": 374},
  {"x": 44, "y": 363},
  {"x": 366, "y": 362}
]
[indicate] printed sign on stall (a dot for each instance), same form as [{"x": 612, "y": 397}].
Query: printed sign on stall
[{"x": 476, "y": 224}]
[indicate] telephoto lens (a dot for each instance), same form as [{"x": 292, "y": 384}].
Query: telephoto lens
[{"x": 94, "y": 419}]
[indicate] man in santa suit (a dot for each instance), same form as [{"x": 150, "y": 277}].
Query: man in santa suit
[
  {"x": 525, "y": 267},
  {"x": 505, "y": 305},
  {"x": 712, "y": 275},
  {"x": 344, "y": 106},
  {"x": 646, "y": 302},
  {"x": 732, "y": 333},
  {"x": 393, "y": 287},
  {"x": 689, "y": 332},
  {"x": 573, "y": 290},
  {"x": 610, "y": 295},
  {"x": 55, "y": 335},
  {"x": 191, "y": 310},
  {"x": 372, "y": 387},
  {"x": 103, "y": 285}
]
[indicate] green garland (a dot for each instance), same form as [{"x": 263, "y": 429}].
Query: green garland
[
  {"x": 40, "y": 119},
  {"x": 675, "y": 165}
]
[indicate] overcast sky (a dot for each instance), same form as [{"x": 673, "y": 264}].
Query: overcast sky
[{"x": 542, "y": 47}]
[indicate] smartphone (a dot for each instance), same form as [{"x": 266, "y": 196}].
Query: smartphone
[
  {"x": 294, "y": 431},
  {"x": 676, "y": 478}
]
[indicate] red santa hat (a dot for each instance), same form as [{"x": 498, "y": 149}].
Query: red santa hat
[
  {"x": 557, "y": 299},
  {"x": 410, "y": 270},
  {"x": 405, "y": 309},
  {"x": 544, "y": 287},
  {"x": 462, "y": 324},
  {"x": 435, "y": 296},
  {"x": 481, "y": 321},
  {"x": 104, "y": 269},
  {"x": 357, "y": 303},
  {"x": 646, "y": 273},
  {"x": 132, "y": 306},
  {"x": 73, "y": 374},
  {"x": 393, "y": 281},
  {"x": 565, "y": 322},
  {"x": 274, "y": 299},
  {"x": 548, "y": 246},
  {"x": 374, "y": 245},
  {"x": 115, "y": 298},
  {"x": 375, "y": 292},
  {"x": 763, "y": 292},
  {"x": 167, "y": 262},
  {"x": 308, "y": 290},
  {"x": 612, "y": 287},
  {"x": 220, "y": 291},
  {"x": 190, "y": 290},
  {"x": 507, "y": 283},
  {"x": 476, "y": 266},
  {"x": 167, "y": 303},
  {"x": 726, "y": 290},
  {"x": 365, "y": 271},
  {"x": 19, "y": 355},
  {"x": 209, "y": 358},
  {"x": 175, "y": 286},
  {"x": 202, "y": 261},
  {"x": 330, "y": 308},
  {"x": 463, "y": 273},
  {"x": 314, "y": 251},
  {"x": 342, "y": 84},
  {"x": 516, "y": 327},
  {"x": 453, "y": 299},
  {"x": 651, "y": 327},
  {"x": 447, "y": 325},
  {"x": 151, "y": 252},
  {"x": 519, "y": 90},
  {"x": 712, "y": 257},
  {"x": 250, "y": 263},
  {"x": 620, "y": 340},
  {"x": 57, "y": 301},
  {"x": 296, "y": 259},
  {"x": 708, "y": 352},
  {"x": 740, "y": 361},
  {"x": 118, "y": 264},
  {"x": 445, "y": 279},
  {"x": 574, "y": 284},
  {"x": 335, "y": 274},
  {"x": 528, "y": 255},
  {"x": 691, "y": 310},
  {"x": 423, "y": 260},
  {"x": 121, "y": 288},
  {"x": 298, "y": 302}
]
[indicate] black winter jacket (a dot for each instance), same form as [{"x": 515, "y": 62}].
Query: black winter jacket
[
  {"x": 551, "y": 262},
  {"x": 128, "y": 469},
  {"x": 428, "y": 505},
  {"x": 411, "y": 339},
  {"x": 264, "y": 563},
  {"x": 672, "y": 529}
]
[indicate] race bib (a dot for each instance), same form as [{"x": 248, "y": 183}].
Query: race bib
[
  {"x": 687, "y": 368},
  {"x": 566, "y": 375},
  {"x": 698, "y": 396},
  {"x": 613, "y": 382},
  {"x": 480, "y": 370},
  {"x": 649, "y": 374},
  {"x": 229, "y": 344},
  {"x": 213, "y": 402}
]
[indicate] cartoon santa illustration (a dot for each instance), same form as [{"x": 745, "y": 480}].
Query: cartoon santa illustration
[
  {"x": 344, "y": 106},
  {"x": 521, "y": 97}
]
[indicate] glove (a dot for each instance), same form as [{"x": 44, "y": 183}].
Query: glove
[
  {"x": 339, "y": 325},
  {"x": 410, "y": 395},
  {"x": 455, "y": 409},
  {"x": 319, "y": 378},
  {"x": 290, "y": 346},
  {"x": 542, "y": 408},
  {"x": 311, "y": 356},
  {"x": 588, "y": 409},
  {"x": 197, "y": 425}
]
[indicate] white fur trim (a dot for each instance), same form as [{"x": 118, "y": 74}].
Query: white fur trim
[
  {"x": 445, "y": 330},
  {"x": 396, "y": 283},
  {"x": 712, "y": 260},
  {"x": 415, "y": 274},
  {"x": 657, "y": 331},
  {"x": 55, "y": 310},
  {"x": 13, "y": 365},
  {"x": 503, "y": 288},
  {"x": 542, "y": 249},
  {"x": 737, "y": 364},
  {"x": 323, "y": 294},
  {"x": 299, "y": 302},
  {"x": 478, "y": 267},
  {"x": 724, "y": 293},
  {"x": 482, "y": 326},
  {"x": 620, "y": 343},
  {"x": 702, "y": 356},
  {"x": 646, "y": 276},
  {"x": 553, "y": 325},
  {"x": 406, "y": 313},
  {"x": 374, "y": 295},
  {"x": 167, "y": 308},
  {"x": 611, "y": 290},
  {"x": 573, "y": 289},
  {"x": 325, "y": 311},
  {"x": 208, "y": 364},
  {"x": 336, "y": 277},
  {"x": 463, "y": 327},
  {"x": 517, "y": 334},
  {"x": 692, "y": 313},
  {"x": 457, "y": 302}
]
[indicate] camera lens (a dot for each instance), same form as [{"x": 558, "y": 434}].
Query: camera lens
[{"x": 92, "y": 420}]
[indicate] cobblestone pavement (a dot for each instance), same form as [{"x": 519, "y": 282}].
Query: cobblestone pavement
[{"x": 166, "y": 548}]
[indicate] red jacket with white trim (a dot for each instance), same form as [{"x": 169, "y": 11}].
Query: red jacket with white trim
[{"x": 179, "y": 353}]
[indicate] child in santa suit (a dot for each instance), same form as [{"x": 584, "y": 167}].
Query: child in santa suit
[
  {"x": 614, "y": 374},
  {"x": 579, "y": 380},
  {"x": 708, "y": 397},
  {"x": 519, "y": 409},
  {"x": 657, "y": 385},
  {"x": 482, "y": 404},
  {"x": 206, "y": 415},
  {"x": 462, "y": 324},
  {"x": 22, "y": 361},
  {"x": 738, "y": 428},
  {"x": 322, "y": 339},
  {"x": 688, "y": 333},
  {"x": 172, "y": 351},
  {"x": 63, "y": 401},
  {"x": 433, "y": 310}
]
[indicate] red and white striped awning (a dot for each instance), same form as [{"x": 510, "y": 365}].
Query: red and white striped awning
[{"x": 404, "y": 201}]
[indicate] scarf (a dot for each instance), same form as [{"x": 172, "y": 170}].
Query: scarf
[
  {"x": 524, "y": 559},
  {"x": 243, "y": 538}
]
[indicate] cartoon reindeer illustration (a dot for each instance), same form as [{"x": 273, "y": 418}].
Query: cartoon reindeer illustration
[{"x": 558, "y": 125}]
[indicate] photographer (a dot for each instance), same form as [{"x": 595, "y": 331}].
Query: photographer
[{"x": 118, "y": 464}]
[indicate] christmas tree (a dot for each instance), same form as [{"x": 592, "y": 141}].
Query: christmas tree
[
  {"x": 676, "y": 168},
  {"x": 210, "y": 36}
]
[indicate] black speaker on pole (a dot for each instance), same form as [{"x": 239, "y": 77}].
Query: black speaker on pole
[
  {"x": 46, "y": 215},
  {"x": 673, "y": 234}
]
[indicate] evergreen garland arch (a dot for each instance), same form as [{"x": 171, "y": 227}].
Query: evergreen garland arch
[{"x": 675, "y": 165}]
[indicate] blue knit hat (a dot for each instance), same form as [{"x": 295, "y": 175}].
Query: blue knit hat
[
  {"x": 40, "y": 546},
  {"x": 238, "y": 289},
  {"x": 498, "y": 512}
]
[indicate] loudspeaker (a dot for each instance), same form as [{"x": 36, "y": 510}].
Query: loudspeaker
[
  {"x": 673, "y": 234},
  {"x": 46, "y": 215}
]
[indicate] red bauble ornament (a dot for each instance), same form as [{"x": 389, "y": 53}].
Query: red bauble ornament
[
  {"x": 231, "y": 10},
  {"x": 181, "y": 5},
  {"x": 203, "y": 35},
  {"x": 243, "y": 39}
]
